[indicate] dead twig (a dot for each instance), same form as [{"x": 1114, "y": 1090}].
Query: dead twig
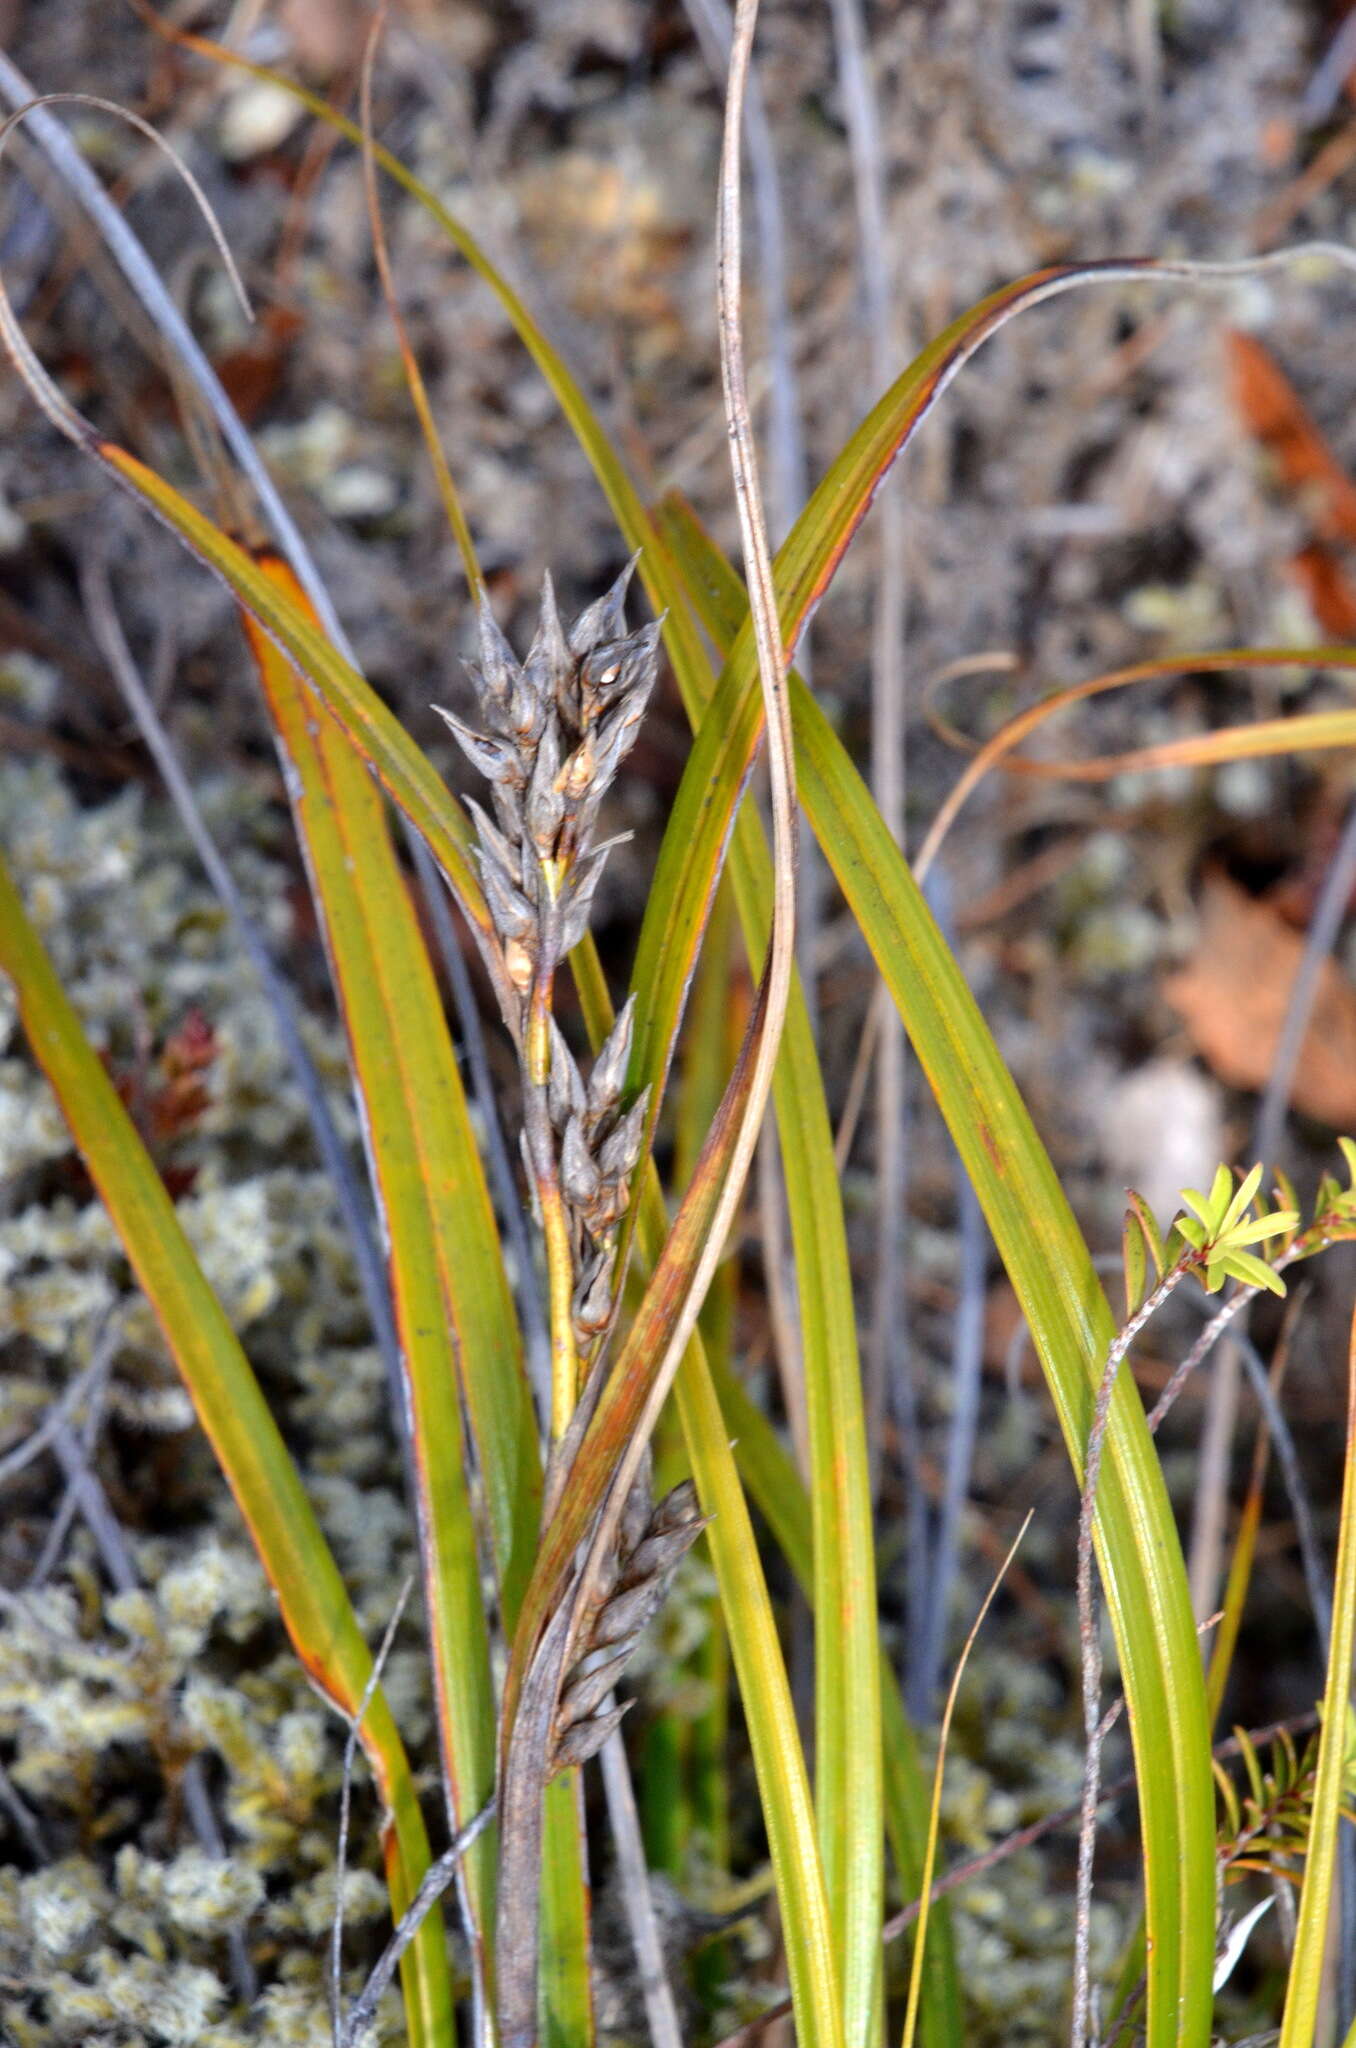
[
  {"x": 435, "y": 1882},
  {"x": 345, "y": 1805},
  {"x": 1091, "y": 1649}
]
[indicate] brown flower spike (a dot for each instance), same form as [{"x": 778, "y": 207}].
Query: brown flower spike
[
  {"x": 553, "y": 732},
  {"x": 556, "y": 730}
]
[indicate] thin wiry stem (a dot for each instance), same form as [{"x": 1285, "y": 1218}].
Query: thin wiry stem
[
  {"x": 74, "y": 1451},
  {"x": 435, "y": 1882},
  {"x": 1206, "y": 1342},
  {"x": 369, "y": 1693},
  {"x": 786, "y": 461},
  {"x": 787, "y": 465},
  {"x": 767, "y": 632},
  {"x": 890, "y": 1367},
  {"x": 1091, "y": 1648},
  {"x": 661, "y": 2014},
  {"x": 1301, "y": 1507},
  {"x": 59, "y": 1414},
  {"x": 86, "y": 1494},
  {"x": 1205, "y": 1546}
]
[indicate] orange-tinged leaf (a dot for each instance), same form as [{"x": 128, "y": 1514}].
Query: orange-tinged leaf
[
  {"x": 235, "y": 1417},
  {"x": 1050, "y": 1265},
  {"x": 454, "y": 1313}
]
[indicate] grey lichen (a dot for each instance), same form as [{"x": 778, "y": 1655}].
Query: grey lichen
[{"x": 127, "y": 1930}]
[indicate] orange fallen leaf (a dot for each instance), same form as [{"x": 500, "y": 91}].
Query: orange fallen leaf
[
  {"x": 1276, "y": 416},
  {"x": 1232, "y": 996},
  {"x": 1327, "y": 589}
]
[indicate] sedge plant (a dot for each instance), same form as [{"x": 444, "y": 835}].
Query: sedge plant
[{"x": 544, "y": 1548}]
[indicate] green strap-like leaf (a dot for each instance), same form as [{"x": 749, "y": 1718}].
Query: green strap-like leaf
[
  {"x": 779, "y": 1492},
  {"x": 406, "y": 1047},
  {"x": 1046, "y": 1259},
  {"x": 768, "y": 1711},
  {"x": 311, "y": 1598},
  {"x": 449, "y": 1291},
  {"x": 1320, "y": 1868}
]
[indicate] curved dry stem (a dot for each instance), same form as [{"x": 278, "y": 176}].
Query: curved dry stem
[
  {"x": 47, "y": 394},
  {"x": 414, "y": 379},
  {"x": 996, "y": 750},
  {"x": 934, "y": 1815},
  {"x": 775, "y": 987},
  {"x": 770, "y": 1009}
]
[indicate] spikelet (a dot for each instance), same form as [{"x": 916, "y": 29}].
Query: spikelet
[
  {"x": 553, "y": 733},
  {"x": 651, "y": 1543}
]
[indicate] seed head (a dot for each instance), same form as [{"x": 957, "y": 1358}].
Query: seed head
[{"x": 552, "y": 733}]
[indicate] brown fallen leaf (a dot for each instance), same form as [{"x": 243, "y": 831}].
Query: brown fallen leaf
[{"x": 1232, "y": 996}]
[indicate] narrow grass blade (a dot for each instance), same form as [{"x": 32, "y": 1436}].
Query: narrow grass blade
[
  {"x": 1299, "y": 2024},
  {"x": 760, "y": 1669},
  {"x": 686, "y": 1777},
  {"x": 1072, "y": 1327},
  {"x": 934, "y": 1811},
  {"x": 452, "y": 1303},
  {"x": 779, "y": 1493},
  {"x": 787, "y": 1809},
  {"x": 848, "y": 1804},
  {"x": 1066, "y": 1310},
  {"x": 713, "y": 1027},
  {"x": 565, "y": 1989},
  {"x": 1302, "y": 733},
  {"x": 312, "y": 1602},
  {"x": 407, "y": 1062}
]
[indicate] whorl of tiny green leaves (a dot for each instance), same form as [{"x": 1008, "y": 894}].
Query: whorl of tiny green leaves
[
  {"x": 1222, "y": 1227},
  {"x": 1213, "y": 1242},
  {"x": 1335, "y": 1204},
  {"x": 1264, "y": 1826}
]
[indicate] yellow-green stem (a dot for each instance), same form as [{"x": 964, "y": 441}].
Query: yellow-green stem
[{"x": 560, "y": 1291}]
